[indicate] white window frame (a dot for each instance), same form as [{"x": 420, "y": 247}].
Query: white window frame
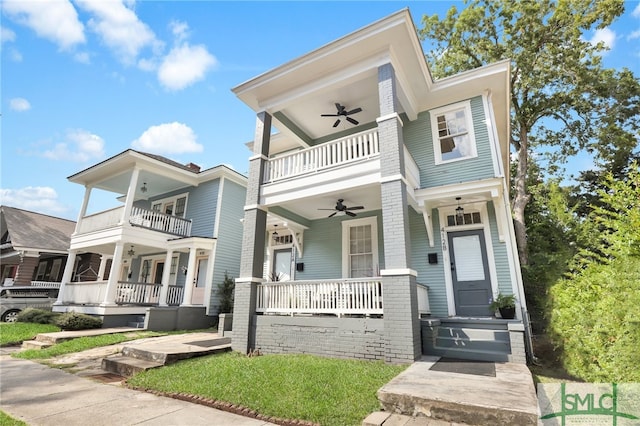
[
  {"x": 434, "y": 113},
  {"x": 172, "y": 200},
  {"x": 346, "y": 227}
]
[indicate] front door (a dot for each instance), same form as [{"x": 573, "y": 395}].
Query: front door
[
  {"x": 470, "y": 273},
  {"x": 281, "y": 265},
  {"x": 197, "y": 297}
]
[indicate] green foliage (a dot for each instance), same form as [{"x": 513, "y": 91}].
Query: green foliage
[
  {"x": 595, "y": 316},
  {"x": 7, "y": 420},
  {"x": 321, "y": 390},
  {"x": 503, "y": 301},
  {"x": 13, "y": 333},
  {"x": 37, "y": 316},
  {"x": 226, "y": 291},
  {"x": 76, "y": 321}
]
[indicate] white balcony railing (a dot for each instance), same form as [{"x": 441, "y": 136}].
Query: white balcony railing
[
  {"x": 159, "y": 221},
  {"x": 130, "y": 293},
  {"x": 412, "y": 171},
  {"x": 175, "y": 295},
  {"x": 55, "y": 284},
  {"x": 103, "y": 220},
  {"x": 423, "y": 299},
  {"x": 353, "y": 148},
  {"x": 84, "y": 292},
  {"x": 347, "y": 296}
]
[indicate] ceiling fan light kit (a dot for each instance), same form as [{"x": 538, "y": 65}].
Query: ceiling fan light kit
[
  {"x": 341, "y": 208},
  {"x": 341, "y": 111}
]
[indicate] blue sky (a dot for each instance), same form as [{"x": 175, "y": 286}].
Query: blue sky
[{"x": 83, "y": 80}]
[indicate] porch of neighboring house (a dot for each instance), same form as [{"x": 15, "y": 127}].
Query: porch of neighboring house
[{"x": 148, "y": 260}]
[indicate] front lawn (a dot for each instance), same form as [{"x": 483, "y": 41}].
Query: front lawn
[
  {"x": 14, "y": 333},
  {"x": 303, "y": 387}
]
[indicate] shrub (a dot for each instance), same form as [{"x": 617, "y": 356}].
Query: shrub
[
  {"x": 226, "y": 291},
  {"x": 76, "y": 321},
  {"x": 37, "y": 316}
]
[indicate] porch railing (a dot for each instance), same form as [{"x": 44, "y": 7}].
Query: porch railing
[
  {"x": 102, "y": 220},
  {"x": 131, "y": 293},
  {"x": 159, "y": 221},
  {"x": 175, "y": 295},
  {"x": 423, "y": 299},
  {"x": 360, "y": 146},
  {"x": 45, "y": 284},
  {"x": 84, "y": 292},
  {"x": 339, "y": 297}
]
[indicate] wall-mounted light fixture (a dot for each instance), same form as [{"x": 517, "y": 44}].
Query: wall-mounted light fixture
[
  {"x": 275, "y": 232},
  {"x": 460, "y": 212},
  {"x": 183, "y": 269},
  {"x": 131, "y": 252},
  {"x": 143, "y": 188}
]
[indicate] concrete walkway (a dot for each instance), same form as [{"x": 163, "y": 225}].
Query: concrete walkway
[{"x": 40, "y": 395}]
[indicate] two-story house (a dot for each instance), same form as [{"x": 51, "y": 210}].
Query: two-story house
[
  {"x": 165, "y": 246},
  {"x": 377, "y": 222}
]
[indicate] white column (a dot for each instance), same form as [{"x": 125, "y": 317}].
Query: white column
[
  {"x": 188, "y": 282},
  {"x": 116, "y": 266},
  {"x": 131, "y": 194},
  {"x": 103, "y": 266},
  {"x": 209, "y": 286},
  {"x": 83, "y": 209},
  {"x": 66, "y": 276},
  {"x": 166, "y": 275}
]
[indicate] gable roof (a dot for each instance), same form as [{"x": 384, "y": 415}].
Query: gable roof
[{"x": 35, "y": 231}]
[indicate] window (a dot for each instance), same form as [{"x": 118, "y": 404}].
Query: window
[
  {"x": 360, "y": 248},
  {"x": 452, "y": 131},
  {"x": 175, "y": 206},
  {"x": 466, "y": 219}
]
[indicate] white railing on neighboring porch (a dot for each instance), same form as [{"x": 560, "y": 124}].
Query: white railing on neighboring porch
[
  {"x": 159, "y": 221},
  {"x": 175, "y": 295},
  {"x": 45, "y": 284},
  {"x": 84, "y": 292},
  {"x": 129, "y": 293},
  {"x": 347, "y": 296},
  {"x": 356, "y": 147}
]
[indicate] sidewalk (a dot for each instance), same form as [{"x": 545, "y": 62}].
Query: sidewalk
[{"x": 40, "y": 395}]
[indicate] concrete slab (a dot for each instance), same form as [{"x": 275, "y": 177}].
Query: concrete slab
[{"x": 508, "y": 398}]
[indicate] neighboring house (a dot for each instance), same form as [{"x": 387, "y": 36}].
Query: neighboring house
[
  {"x": 168, "y": 241},
  {"x": 377, "y": 222},
  {"x": 34, "y": 248}
]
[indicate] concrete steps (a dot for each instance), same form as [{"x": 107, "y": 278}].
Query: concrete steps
[
  {"x": 45, "y": 340},
  {"x": 156, "y": 353}
]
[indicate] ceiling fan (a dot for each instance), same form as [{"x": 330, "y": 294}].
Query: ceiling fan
[
  {"x": 342, "y": 208},
  {"x": 342, "y": 112}
]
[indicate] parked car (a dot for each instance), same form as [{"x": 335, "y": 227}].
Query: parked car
[{"x": 15, "y": 299}]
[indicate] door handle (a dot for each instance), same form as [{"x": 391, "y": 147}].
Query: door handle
[{"x": 453, "y": 266}]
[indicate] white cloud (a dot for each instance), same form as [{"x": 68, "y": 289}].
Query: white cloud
[
  {"x": 15, "y": 55},
  {"x": 636, "y": 11},
  {"x": 80, "y": 145},
  {"x": 7, "y": 35},
  {"x": 185, "y": 65},
  {"x": 55, "y": 20},
  {"x": 119, "y": 28},
  {"x": 170, "y": 138},
  {"x": 19, "y": 104},
  {"x": 180, "y": 30},
  {"x": 42, "y": 199},
  {"x": 605, "y": 35},
  {"x": 82, "y": 57}
]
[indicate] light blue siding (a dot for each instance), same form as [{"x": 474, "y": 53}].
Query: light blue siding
[
  {"x": 202, "y": 207},
  {"x": 419, "y": 141},
  {"x": 322, "y": 255},
  {"x": 229, "y": 241}
]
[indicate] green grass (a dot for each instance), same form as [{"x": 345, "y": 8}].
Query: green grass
[
  {"x": 303, "y": 387},
  {"x": 7, "y": 420},
  {"x": 14, "y": 333},
  {"x": 83, "y": 343}
]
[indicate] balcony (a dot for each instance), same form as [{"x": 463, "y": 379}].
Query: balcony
[{"x": 149, "y": 219}]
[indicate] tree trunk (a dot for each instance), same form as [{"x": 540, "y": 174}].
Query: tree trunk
[{"x": 521, "y": 199}]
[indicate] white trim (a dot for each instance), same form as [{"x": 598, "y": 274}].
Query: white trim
[
  {"x": 249, "y": 279},
  {"x": 174, "y": 200},
  {"x": 259, "y": 156},
  {"x": 255, "y": 207},
  {"x": 433, "y": 115},
  {"x": 346, "y": 225},
  {"x": 389, "y": 117},
  {"x": 394, "y": 272},
  {"x": 493, "y": 134},
  {"x": 443, "y": 212},
  {"x": 216, "y": 224}
]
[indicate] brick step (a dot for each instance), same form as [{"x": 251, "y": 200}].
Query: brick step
[
  {"x": 35, "y": 344},
  {"x": 470, "y": 354}
]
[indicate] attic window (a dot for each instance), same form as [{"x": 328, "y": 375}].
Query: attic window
[{"x": 452, "y": 131}]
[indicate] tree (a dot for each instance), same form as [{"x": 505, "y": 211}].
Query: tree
[
  {"x": 561, "y": 96},
  {"x": 226, "y": 291}
]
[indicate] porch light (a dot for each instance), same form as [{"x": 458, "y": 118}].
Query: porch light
[
  {"x": 143, "y": 188},
  {"x": 459, "y": 211},
  {"x": 275, "y": 232},
  {"x": 131, "y": 252}
]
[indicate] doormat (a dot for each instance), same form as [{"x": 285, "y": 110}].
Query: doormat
[
  {"x": 210, "y": 343},
  {"x": 464, "y": 366}
]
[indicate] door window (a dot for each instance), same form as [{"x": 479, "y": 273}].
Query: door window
[{"x": 360, "y": 247}]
